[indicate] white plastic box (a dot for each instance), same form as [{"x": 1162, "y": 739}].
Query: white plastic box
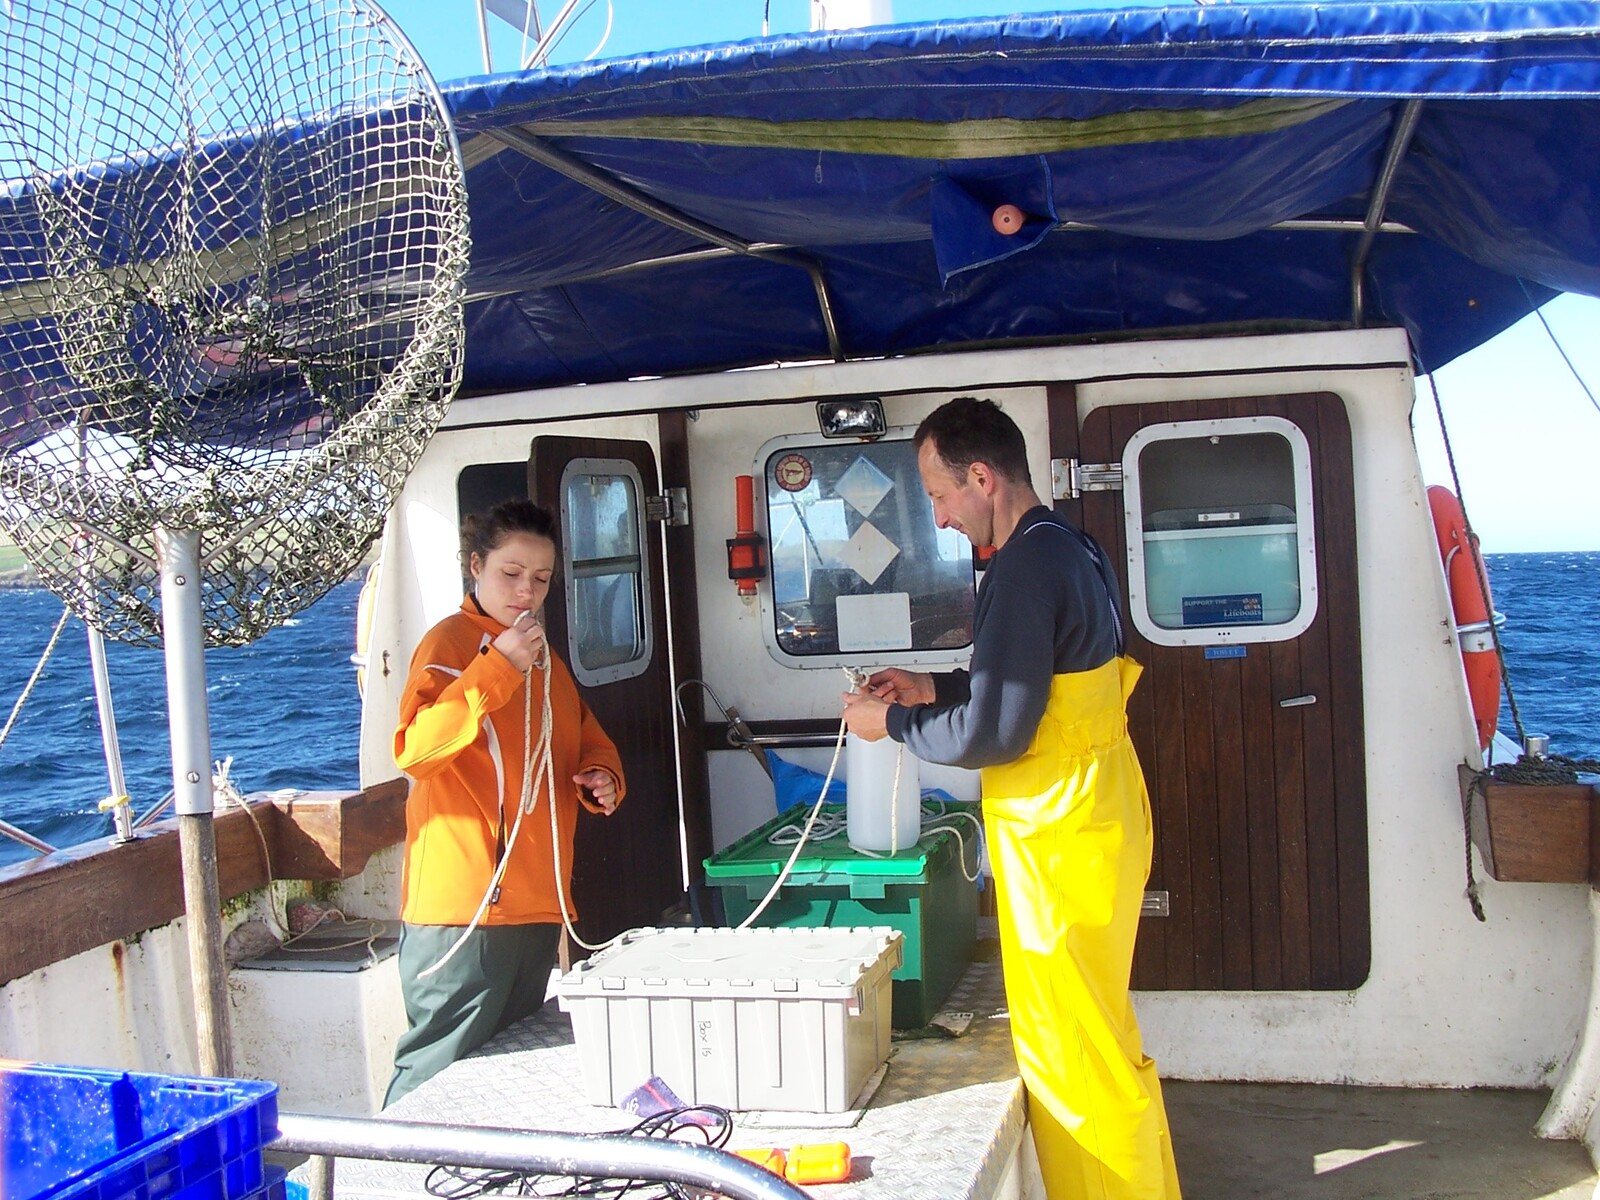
[{"x": 795, "y": 1020}]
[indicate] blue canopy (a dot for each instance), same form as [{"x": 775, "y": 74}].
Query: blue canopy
[{"x": 1206, "y": 168}]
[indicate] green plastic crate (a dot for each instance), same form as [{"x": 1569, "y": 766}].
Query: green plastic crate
[{"x": 922, "y": 892}]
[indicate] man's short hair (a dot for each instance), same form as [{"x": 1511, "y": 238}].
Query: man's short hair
[{"x": 968, "y": 430}]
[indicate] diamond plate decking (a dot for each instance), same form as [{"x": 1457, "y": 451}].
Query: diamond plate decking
[{"x": 942, "y": 1125}]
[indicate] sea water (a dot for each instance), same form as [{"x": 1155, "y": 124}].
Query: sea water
[{"x": 286, "y": 707}]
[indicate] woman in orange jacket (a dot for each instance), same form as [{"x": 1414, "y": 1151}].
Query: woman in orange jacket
[{"x": 464, "y": 736}]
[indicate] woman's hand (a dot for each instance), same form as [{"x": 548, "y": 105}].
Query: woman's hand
[
  {"x": 601, "y": 786},
  {"x": 902, "y": 687},
  {"x": 523, "y": 642}
]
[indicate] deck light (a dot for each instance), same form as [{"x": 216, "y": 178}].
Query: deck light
[{"x": 860, "y": 417}]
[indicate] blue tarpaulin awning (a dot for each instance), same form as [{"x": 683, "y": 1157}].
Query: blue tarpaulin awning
[
  {"x": 1209, "y": 168},
  {"x": 1195, "y": 168}
]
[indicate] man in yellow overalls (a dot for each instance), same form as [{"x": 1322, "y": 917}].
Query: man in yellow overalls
[{"x": 1042, "y": 713}]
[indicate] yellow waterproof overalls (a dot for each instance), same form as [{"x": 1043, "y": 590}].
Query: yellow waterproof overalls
[{"x": 1070, "y": 842}]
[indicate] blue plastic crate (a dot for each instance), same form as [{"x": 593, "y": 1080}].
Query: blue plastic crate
[{"x": 72, "y": 1133}]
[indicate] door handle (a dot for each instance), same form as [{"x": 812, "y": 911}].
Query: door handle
[{"x": 1297, "y": 701}]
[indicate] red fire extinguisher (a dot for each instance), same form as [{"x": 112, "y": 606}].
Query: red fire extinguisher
[{"x": 747, "y": 550}]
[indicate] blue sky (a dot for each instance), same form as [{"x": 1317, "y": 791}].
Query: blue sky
[{"x": 1526, "y": 437}]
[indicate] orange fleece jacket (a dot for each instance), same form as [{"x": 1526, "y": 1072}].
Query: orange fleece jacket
[{"x": 461, "y": 739}]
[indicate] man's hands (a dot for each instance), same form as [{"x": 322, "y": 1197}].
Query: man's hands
[
  {"x": 866, "y": 713},
  {"x": 902, "y": 687}
]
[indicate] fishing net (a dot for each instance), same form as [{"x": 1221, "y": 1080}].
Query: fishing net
[{"x": 233, "y": 239}]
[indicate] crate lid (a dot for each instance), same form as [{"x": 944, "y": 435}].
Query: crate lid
[
  {"x": 758, "y": 962},
  {"x": 757, "y": 854}
]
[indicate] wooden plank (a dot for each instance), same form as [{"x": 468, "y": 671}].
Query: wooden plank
[
  {"x": 1534, "y": 833},
  {"x": 138, "y": 886},
  {"x": 1102, "y": 514},
  {"x": 1338, "y": 575},
  {"x": 1061, "y": 409},
  {"x": 1289, "y": 794},
  {"x": 1261, "y": 817},
  {"x": 1233, "y": 832},
  {"x": 332, "y": 835},
  {"x": 1316, "y": 652}
]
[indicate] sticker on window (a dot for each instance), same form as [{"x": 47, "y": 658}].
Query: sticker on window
[
  {"x": 1241, "y": 608},
  {"x": 863, "y": 486},
  {"x": 792, "y": 472}
]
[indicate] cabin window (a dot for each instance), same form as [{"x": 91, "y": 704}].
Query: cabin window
[
  {"x": 1220, "y": 531},
  {"x": 602, "y": 532},
  {"x": 860, "y": 573}
]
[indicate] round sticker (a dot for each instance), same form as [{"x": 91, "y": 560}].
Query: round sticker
[{"x": 792, "y": 471}]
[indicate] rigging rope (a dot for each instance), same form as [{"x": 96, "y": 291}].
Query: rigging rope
[
  {"x": 16, "y": 709},
  {"x": 1560, "y": 349}
]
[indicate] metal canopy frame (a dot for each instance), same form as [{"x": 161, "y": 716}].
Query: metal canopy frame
[{"x": 612, "y": 188}]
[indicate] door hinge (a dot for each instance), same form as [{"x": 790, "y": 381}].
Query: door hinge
[
  {"x": 1156, "y": 904},
  {"x": 672, "y": 506},
  {"x": 1070, "y": 478}
]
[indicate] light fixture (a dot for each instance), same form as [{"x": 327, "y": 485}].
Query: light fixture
[{"x": 859, "y": 417}]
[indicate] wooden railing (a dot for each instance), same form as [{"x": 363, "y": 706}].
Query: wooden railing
[{"x": 62, "y": 904}]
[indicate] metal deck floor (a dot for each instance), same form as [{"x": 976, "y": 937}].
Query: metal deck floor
[{"x": 948, "y": 1116}]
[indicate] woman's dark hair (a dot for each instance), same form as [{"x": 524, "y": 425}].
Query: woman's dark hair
[
  {"x": 968, "y": 430},
  {"x": 483, "y": 532}
]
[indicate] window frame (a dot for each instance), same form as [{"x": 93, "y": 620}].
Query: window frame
[
  {"x": 1305, "y": 532},
  {"x": 570, "y": 573},
  {"x": 766, "y": 593}
]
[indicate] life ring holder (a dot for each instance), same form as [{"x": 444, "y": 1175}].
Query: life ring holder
[{"x": 1472, "y": 609}]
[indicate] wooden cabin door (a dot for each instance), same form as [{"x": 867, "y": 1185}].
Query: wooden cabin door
[
  {"x": 1255, "y": 760},
  {"x": 607, "y": 618}
]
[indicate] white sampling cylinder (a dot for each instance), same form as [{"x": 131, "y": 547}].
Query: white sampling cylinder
[{"x": 878, "y": 816}]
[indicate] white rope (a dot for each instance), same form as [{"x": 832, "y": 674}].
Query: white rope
[
  {"x": 538, "y": 761},
  {"x": 805, "y": 834},
  {"x": 523, "y": 806},
  {"x": 27, "y": 691}
]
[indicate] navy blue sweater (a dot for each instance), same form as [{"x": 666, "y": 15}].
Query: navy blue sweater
[{"x": 1045, "y": 608}]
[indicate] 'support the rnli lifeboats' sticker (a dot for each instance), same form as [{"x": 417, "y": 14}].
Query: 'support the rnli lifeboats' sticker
[{"x": 792, "y": 472}]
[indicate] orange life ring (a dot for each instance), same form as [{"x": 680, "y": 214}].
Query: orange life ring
[{"x": 1473, "y": 607}]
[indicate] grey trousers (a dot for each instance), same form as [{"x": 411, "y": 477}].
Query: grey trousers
[{"x": 496, "y": 979}]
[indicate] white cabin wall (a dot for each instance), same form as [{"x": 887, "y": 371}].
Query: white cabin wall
[{"x": 1449, "y": 1001}]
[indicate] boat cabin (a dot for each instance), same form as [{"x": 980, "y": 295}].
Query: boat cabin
[{"x": 1202, "y": 256}]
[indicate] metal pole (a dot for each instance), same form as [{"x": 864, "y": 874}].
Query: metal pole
[
  {"x": 121, "y": 815},
  {"x": 121, "y": 810},
  {"x": 483, "y": 36},
  {"x": 26, "y": 838},
  {"x": 183, "y": 635},
  {"x": 584, "y": 1155},
  {"x": 320, "y": 1185}
]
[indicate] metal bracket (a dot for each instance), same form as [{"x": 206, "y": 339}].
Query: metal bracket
[
  {"x": 672, "y": 506},
  {"x": 1070, "y": 478},
  {"x": 1156, "y": 904}
]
